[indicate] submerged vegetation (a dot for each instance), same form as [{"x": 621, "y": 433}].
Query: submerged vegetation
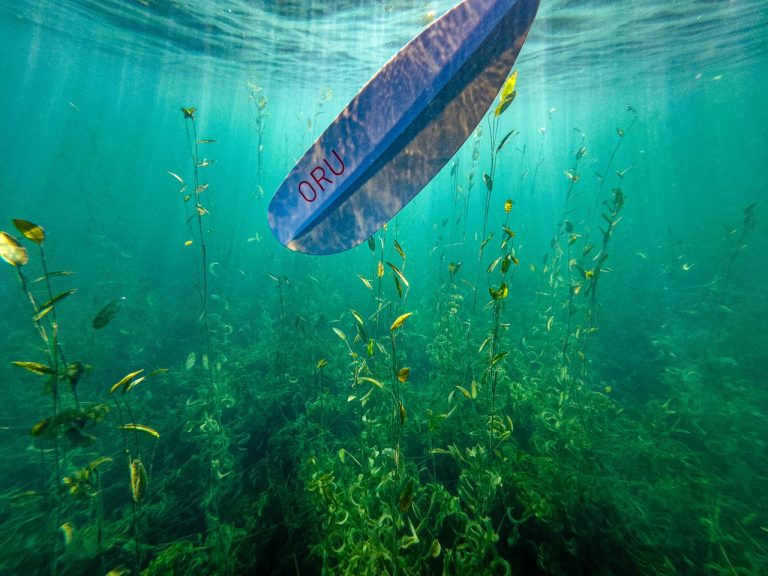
[{"x": 460, "y": 408}]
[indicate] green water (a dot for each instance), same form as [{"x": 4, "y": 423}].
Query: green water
[{"x": 586, "y": 396}]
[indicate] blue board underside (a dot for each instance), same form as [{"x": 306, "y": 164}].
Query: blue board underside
[{"x": 401, "y": 128}]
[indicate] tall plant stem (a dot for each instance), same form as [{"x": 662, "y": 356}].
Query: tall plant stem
[
  {"x": 51, "y": 347},
  {"x": 212, "y": 515},
  {"x": 398, "y": 418},
  {"x": 494, "y": 372},
  {"x": 493, "y": 128},
  {"x": 397, "y": 406}
]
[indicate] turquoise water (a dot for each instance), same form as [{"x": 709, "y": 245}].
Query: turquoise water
[{"x": 623, "y": 432}]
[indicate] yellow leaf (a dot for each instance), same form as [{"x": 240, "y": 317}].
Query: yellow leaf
[
  {"x": 42, "y": 313},
  {"x": 399, "y": 250},
  {"x": 399, "y": 321},
  {"x": 372, "y": 381},
  {"x": 30, "y": 231},
  {"x": 494, "y": 264},
  {"x": 124, "y": 381},
  {"x": 141, "y": 428},
  {"x": 366, "y": 282},
  {"x": 399, "y": 274},
  {"x": 34, "y": 367},
  {"x": 358, "y": 318},
  {"x": 138, "y": 381},
  {"x": 99, "y": 461},
  {"x": 402, "y": 374},
  {"x": 139, "y": 480},
  {"x": 509, "y": 86},
  {"x": 507, "y": 94},
  {"x": 11, "y": 251},
  {"x": 133, "y": 383},
  {"x": 67, "y": 531}
]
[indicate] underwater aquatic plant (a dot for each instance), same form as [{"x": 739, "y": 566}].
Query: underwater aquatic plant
[
  {"x": 68, "y": 428},
  {"x": 261, "y": 114},
  {"x": 506, "y": 97},
  {"x": 399, "y": 376},
  {"x": 736, "y": 242},
  {"x": 44, "y": 318},
  {"x": 139, "y": 478},
  {"x": 506, "y": 261},
  {"x": 621, "y": 134},
  {"x": 214, "y": 435},
  {"x": 592, "y": 275},
  {"x": 198, "y": 163}
]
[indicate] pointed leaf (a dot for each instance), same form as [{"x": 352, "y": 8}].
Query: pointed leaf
[
  {"x": 141, "y": 428},
  {"x": 56, "y": 299},
  {"x": 494, "y": 264},
  {"x": 371, "y": 380},
  {"x": 358, "y": 318},
  {"x": 34, "y": 367},
  {"x": 178, "y": 178},
  {"x": 399, "y": 250},
  {"x": 365, "y": 281},
  {"x": 504, "y": 140},
  {"x": 509, "y": 86},
  {"x": 399, "y": 321},
  {"x": 504, "y": 104},
  {"x": 42, "y": 313},
  {"x": 124, "y": 381},
  {"x": 399, "y": 286},
  {"x": 399, "y": 274}
]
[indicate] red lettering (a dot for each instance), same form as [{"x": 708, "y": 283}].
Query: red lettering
[
  {"x": 308, "y": 190},
  {"x": 311, "y": 188},
  {"x": 321, "y": 178},
  {"x": 341, "y": 171}
]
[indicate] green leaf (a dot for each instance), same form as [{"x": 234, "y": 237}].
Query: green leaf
[
  {"x": 488, "y": 182},
  {"x": 58, "y": 298}
]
